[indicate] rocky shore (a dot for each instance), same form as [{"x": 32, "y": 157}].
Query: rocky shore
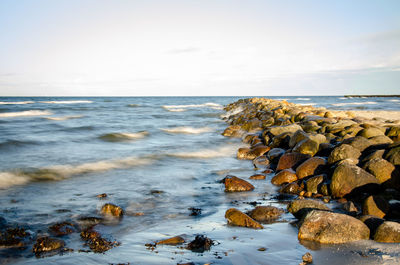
[{"x": 340, "y": 171}]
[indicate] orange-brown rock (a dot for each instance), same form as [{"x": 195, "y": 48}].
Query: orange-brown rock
[
  {"x": 284, "y": 176},
  {"x": 376, "y": 205},
  {"x": 250, "y": 154},
  {"x": 171, "y": 241},
  {"x": 291, "y": 160},
  {"x": 388, "y": 232},
  {"x": 332, "y": 228},
  {"x": 109, "y": 209},
  {"x": 234, "y": 184},
  {"x": 308, "y": 167},
  {"x": 265, "y": 213},
  {"x": 257, "y": 176},
  {"x": 238, "y": 218}
]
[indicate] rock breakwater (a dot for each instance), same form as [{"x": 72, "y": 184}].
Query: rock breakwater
[{"x": 346, "y": 165}]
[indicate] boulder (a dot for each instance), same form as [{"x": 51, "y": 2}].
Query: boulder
[
  {"x": 347, "y": 178},
  {"x": 375, "y": 154},
  {"x": 275, "y": 153},
  {"x": 46, "y": 244},
  {"x": 109, "y": 209},
  {"x": 235, "y": 184},
  {"x": 250, "y": 154},
  {"x": 292, "y": 128},
  {"x": 332, "y": 228},
  {"x": 308, "y": 167},
  {"x": 307, "y": 146},
  {"x": 290, "y": 188},
  {"x": 233, "y": 131},
  {"x": 301, "y": 206},
  {"x": 388, "y": 232},
  {"x": 394, "y": 132},
  {"x": 370, "y": 132},
  {"x": 297, "y": 137},
  {"x": 238, "y": 218},
  {"x": 376, "y": 206},
  {"x": 358, "y": 142},
  {"x": 380, "y": 168},
  {"x": 200, "y": 244},
  {"x": 284, "y": 176},
  {"x": 393, "y": 156},
  {"x": 291, "y": 160},
  {"x": 342, "y": 152},
  {"x": 313, "y": 183},
  {"x": 265, "y": 213},
  {"x": 380, "y": 140}
]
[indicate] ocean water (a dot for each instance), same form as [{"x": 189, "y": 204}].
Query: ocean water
[{"x": 156, "y": 156}]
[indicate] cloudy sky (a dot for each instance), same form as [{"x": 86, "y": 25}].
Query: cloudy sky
[{"x": 208, "y": 47}]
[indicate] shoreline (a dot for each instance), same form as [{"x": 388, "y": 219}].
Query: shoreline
[{"x": 340, "y": 169}]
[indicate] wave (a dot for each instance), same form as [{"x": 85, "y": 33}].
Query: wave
[
  {"x": 78, "y": 128},
  {"x": 303, "y": 99},
  {"x": 232, "y": 112},
  {"x": 16, "y": 102},
  {"x": 14, "y": 143},
  {"x": 177, "y": 110},
  {"x": 307, "y": 104},
  {"x": 67, "y": 102},
  {"x": 394, "y": 100},
  {"x": 121, "y": 137},
  {"x": 63, "y": 118},
  {"x": 25, "y": 113},
  {"x": 60, "y": 172},
  {"x": 354, "y": 103},
  {"x": 187, "y": 130},
  {"x": 224, "y": 151},
  {"x": 182, "y": 107}
]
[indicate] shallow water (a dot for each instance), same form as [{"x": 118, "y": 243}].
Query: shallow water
[{"x": 156, "y": 156}]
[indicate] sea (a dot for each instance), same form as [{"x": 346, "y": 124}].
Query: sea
[{"x": 161, "y": 159}]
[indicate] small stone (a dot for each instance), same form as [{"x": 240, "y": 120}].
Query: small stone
[
  {"x": 200, "y": 244},
  {"x": 46, "y": 244},
  {"x": 103, "y": 195},
  {"x": 171, "y": 241},
  {"x": 109, "y": 209},
  {"x": 238, "y": 218},
  {"x": 257, "y": 176},
  {"x": 307, "y": 258},
  {"x": 235, "y": 184},
  {"x": 265, "y": 213},
  {"x": 262, "y": 249}
]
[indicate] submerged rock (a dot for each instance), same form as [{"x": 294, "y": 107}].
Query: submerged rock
[
  {"x": 61, "y": 229},
  {"x": 46, "y": 244},
  {"x": 112, "y": 210},
  {"x": 238, "y": 218},
  {"x": 13, "y": 237},
  {"x": 265, "y": 213},
  {"x": 200, "y": 244},
  {"x": 235, "y": 184},
  {"x": 176, "y": 240},
  {"x": 332, "y": 228},
  {"x": 96, "y": 242}
]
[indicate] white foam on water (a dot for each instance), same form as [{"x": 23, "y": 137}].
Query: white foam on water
[
  {"x": 205, "y": 105},
  {"x": 342, "y": 98},
  {"x": 354, "y": 103},
  {"x": 223, "y": 151},
  {"x": 187, "y": 130},
  {"x": 8, "y": 179},
  {"x": 306, "y": 104},
  {"x": 67, "y": 101},
  {"x": 16, "y": 102},
  {"x": 60, "y": 172},
  {"x": 303, "y": 99},
  {"x": 25, "y": 113},
  {"x": 115, "y": 137},
  {"x": 232, "y": 112},
  {"x": 63, "y": 118},
  {"x": 394, "y": 100},
  {"x": 177, "y": 110}
]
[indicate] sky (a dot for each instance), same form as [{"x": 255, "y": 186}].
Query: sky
[{"x": 199, "y": 48}]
